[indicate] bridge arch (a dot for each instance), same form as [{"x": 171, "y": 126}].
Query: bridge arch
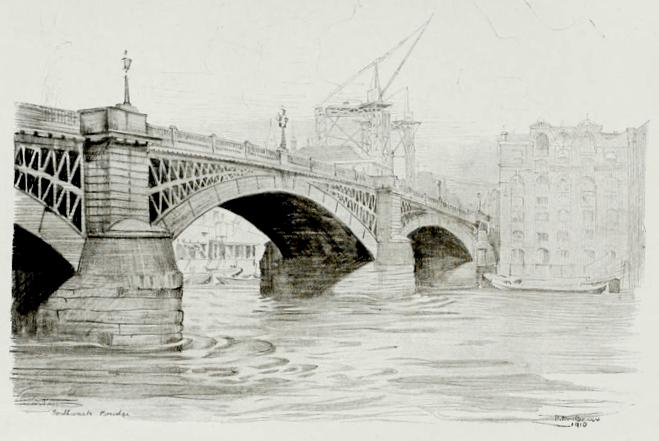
[
  {"x": 41, "y": 222},
  {"x": 445, "y": 250},
  {"x": 297, "y": 214},
  {"x": 466, "y": 234},
  {"x": 38, "y": 270}
]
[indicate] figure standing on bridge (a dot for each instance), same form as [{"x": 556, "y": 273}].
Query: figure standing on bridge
[{"x": 282, "y": 119}]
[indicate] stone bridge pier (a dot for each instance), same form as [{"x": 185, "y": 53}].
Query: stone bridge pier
[
  {"x": 394, "y": 248},
  {"x": 127, "y": 290}
]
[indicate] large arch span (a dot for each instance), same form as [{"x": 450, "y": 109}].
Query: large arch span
[{"x": 300, "y": 218}]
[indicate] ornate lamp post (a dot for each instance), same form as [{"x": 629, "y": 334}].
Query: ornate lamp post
[
  {"x": 126, "y": 64},
  {"x": 282, "y": 119}
]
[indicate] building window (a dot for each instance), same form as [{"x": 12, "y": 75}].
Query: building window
[
  {"x": 542, "y": 145},
  {"x": 517, "y": 257},
  {"x": 562, "y": 236},
  {"x": 517, "y": 202},
  {"x": 543, "y": 256},
  {"x": 542, "y": 184},
  {"x": 563, "y": 150},
  {"x": 589, "y": 256},
  {"x": 588, "y": 190},
  {"x": 587, "y": 143},
  {"x": 542, "y": 200},
  {"x": 610, "y": 155},
  {"x": 563, "y": 185},
  {"x": 518, "y": 235},
  {"x": 517, "y": 216},
  {"x": 612, "y": 185},
  {"x": 588, "y": 216},
  {"x": 543, "y": 237},
  {"x": 612, "y": 217},
  {"x": 516, "y": 184},
  {"x": 516, "y": 156},
  {"x": 565, "y": 254},
  {"x": 541, "y": 164},
  {"x": 589, "y": 234},
  {"x": 563, "y": 215},
  {"x": 542, "y": 216},
  {"x": 612, "y": 199}
]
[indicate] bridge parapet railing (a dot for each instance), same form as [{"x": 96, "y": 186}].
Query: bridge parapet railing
[
  {"x": 261, "y": 152},
  {"x": 161, "y": 132},
  {"x": 325, "y": 168},
  {"x": 171, "y": 137},
  {"x": 298, "y": 160},
  {"x": 229, "y": 146},
  {"x": 470, "y": 215},
  {"x": 190, "y": 141},
  {"x": 194, "y": 139},
  {"x": 32, "y": 117}
]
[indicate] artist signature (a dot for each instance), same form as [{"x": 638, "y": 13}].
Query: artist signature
[
  {"x": 575, "y": 420},
  {"x": 83, "y": 413},
  {"x": 72, "y": 407}
]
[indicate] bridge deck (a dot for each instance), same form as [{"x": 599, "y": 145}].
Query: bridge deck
[{"x": 32, "y": 118}]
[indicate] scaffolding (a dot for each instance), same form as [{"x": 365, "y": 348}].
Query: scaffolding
[{"x": 368, "y": 125}]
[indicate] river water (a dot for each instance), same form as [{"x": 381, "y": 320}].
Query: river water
[{"x": 371, "y": 348}]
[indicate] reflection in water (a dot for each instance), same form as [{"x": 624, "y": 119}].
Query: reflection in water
[
  {"x": 304, "y": 276},
  {"x": 371, "y": 347}
]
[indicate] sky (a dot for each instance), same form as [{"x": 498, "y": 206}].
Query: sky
[{"x": 226, "y": 67}]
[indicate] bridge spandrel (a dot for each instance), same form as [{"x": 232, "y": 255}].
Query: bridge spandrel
[
  {"x": 173, "y": 180},
  {"x": 50, "y": 170}
]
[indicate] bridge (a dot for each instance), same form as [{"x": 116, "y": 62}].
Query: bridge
[{"x": 106, "y": 192}]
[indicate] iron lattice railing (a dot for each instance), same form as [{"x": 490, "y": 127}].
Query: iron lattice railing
[
  {"x": 359, "y": 201},
  {"x": 172, "y": 181},
  {"x": 53, "y": 176}
]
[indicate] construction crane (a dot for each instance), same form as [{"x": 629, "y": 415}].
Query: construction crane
[{"x": 368, "y": 125}]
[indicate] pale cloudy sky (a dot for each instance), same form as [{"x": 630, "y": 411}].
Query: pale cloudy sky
[{"x": 227, "y": 66}]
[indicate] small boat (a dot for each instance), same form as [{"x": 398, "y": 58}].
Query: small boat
[
  {"x": 197, "y": 279},
  {"x": 237, "y": 278},
  {"x": 569, "y": 285}
]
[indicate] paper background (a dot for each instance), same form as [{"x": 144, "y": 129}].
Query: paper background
[{"x": 212, "y": 66}]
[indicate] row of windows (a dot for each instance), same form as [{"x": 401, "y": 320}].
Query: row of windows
[
  {"x": 542, "y": 256},
  {"x": 587, "y": 216},
  {"x": 561, "y": 236},
  {"x": 586, "y": 183},
  {"x": 584, "y": 143},
  {"x": 562, "y": 155},
  {"x": 587, "y": 199}
]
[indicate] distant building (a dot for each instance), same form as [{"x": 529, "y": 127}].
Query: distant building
[
  {"x": 572, "y": 202},
  {"x": 221, "y": 238}
]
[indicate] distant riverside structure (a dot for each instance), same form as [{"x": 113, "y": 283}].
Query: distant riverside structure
[
  {"x": 222, "y": 240},
  {"x": 572, "y": 203}
]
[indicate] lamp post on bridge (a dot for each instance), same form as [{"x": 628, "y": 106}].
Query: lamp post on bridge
[
  {"x": 282, "y": 119},
  {"x": 126, "y": 62}
]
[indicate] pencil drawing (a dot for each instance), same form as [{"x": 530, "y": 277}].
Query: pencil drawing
[{"x": 324, "y": 268}]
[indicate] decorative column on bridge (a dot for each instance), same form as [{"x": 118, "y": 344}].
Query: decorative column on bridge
[{"x": 127, "y": 289}]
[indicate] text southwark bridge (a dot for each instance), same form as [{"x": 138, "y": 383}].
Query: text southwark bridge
[{"x": 108, "y": 192}]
